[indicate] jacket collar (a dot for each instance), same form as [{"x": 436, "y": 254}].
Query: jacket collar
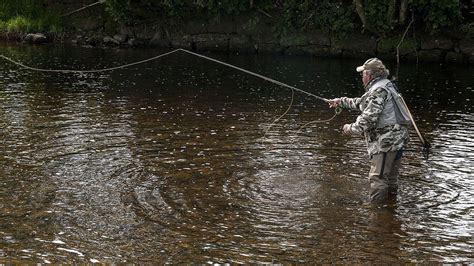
[{"x": 372, "y": 82}]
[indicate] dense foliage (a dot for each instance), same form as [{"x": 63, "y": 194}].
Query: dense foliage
[{"x": 378, "y": 16}]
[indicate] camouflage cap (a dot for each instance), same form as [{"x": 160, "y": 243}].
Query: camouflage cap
[{"x": 371, "y": 64}]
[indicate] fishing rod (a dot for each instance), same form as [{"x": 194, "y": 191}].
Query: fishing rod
[
  {"x": 337, "y": 111},
  {"x": 162, "y": 55},
  {"x": 256, "y": 75},
  {"x": 279, "y": 83}
]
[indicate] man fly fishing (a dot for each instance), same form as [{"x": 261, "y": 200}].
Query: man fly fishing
[{"x": 383, "y": 121}]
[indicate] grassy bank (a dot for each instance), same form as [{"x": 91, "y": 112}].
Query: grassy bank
[{"x": 20, "y": 17}]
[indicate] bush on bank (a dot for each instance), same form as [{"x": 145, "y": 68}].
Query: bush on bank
[{"x": 23, "y": 16}]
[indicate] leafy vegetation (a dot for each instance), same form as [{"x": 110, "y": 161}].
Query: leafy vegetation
[
  {"x": 381, "y": 17},
  {"x": 22, "y": 16},
  {"x": 330, "y": 16},
  {"x": 437, "y": 15},
  {"x": 339, "y": 17}
]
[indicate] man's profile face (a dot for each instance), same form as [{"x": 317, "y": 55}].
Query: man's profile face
[{"x": 366, "y": 77}]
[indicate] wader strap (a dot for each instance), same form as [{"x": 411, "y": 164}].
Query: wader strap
[
  {"x": 383, "y": 164},
  {"x": 399, "y": 154}
]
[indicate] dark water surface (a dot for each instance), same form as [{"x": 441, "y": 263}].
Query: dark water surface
[{"x": 166, "y": 162}]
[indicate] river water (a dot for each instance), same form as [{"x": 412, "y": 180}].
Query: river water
[{"x": 168, "y": 162}]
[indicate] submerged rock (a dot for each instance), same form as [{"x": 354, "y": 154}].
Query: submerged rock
[
  {"x": 110, "y": 41},
  {"x": 36, "y": 38}
]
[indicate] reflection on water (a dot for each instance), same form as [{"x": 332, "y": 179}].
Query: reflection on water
[{"x": 165, "y": 162}]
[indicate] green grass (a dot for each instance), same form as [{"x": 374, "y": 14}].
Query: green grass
[
  {"x": 24, "y": 16},
  {"x": 18, "y": 24}
]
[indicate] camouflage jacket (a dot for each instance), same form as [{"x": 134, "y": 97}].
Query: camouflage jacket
[{"x": 371, "y": 104}]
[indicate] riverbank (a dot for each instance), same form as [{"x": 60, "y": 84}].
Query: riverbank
[
  {"x": 442, "y": 49},
  {"x": 245, "y": 34}
]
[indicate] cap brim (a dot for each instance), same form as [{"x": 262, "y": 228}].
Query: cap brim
[{"x": 360, "y": 68}]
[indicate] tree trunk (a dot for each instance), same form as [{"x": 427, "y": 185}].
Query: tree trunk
[
  {"x": 391, "y": 11},
  {"x": 403, "y": 12},
  {"x": 360, "y": 11},
  {"x": 359, "y": 4}
]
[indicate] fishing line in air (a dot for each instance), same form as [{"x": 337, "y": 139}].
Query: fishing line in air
[
  {"x": 293, "y": 89},
  {"x": 85, "y": 71}
]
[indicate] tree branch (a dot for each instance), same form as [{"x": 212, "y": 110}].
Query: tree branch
[
  {"x": 403, "y": 37},
  {"x": 82, "y": 8}
]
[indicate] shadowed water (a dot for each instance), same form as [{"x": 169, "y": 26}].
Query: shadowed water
[{"x": 167, "y": 162}]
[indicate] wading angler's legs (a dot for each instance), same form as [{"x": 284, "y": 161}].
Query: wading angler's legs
[{"x": 383, "y": 175}]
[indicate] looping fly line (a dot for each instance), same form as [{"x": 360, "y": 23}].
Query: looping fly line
[{"x": 198, "y": 55}]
